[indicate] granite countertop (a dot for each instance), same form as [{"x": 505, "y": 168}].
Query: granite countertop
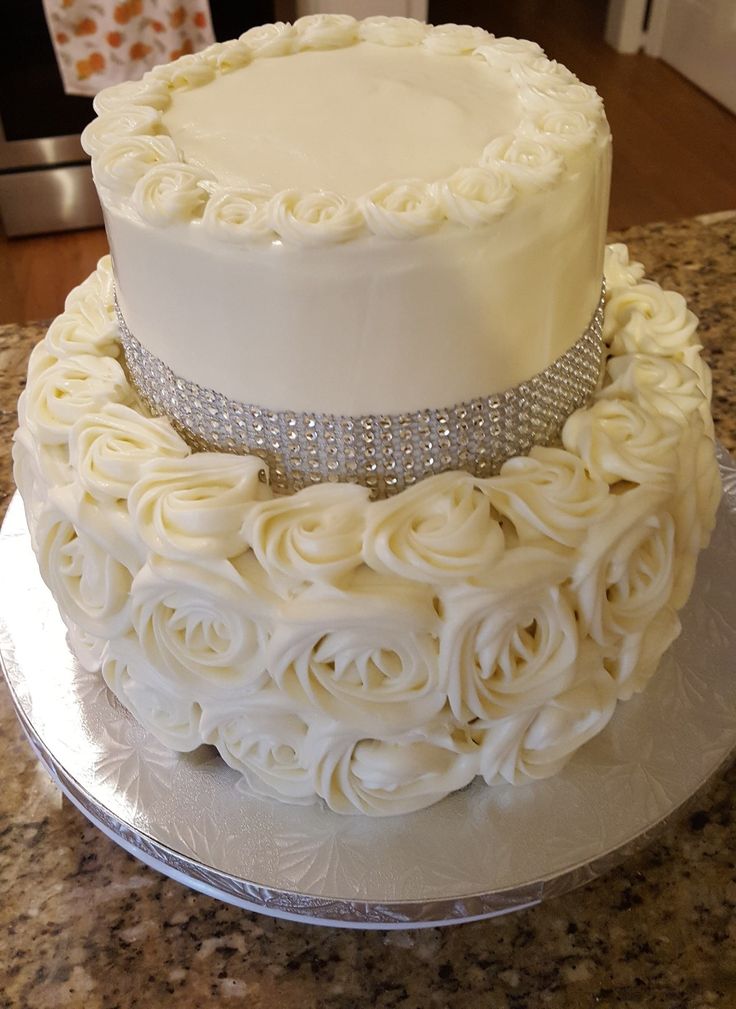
[{"x": 83, "y": 924}]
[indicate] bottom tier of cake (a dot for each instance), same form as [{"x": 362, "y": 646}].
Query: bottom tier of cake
[{"x": 377, "y": 654}]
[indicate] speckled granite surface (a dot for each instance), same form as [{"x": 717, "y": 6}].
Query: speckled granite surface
[{"x": 82, "y": 924}]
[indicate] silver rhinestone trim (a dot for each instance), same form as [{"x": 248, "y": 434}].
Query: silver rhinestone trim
[{"x": 383, "y": 452}]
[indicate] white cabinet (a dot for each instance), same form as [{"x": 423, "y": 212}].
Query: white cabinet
[{"x": 696, "y": 37}]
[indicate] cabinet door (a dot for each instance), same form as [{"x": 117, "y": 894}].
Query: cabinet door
[{"x": 698, "y": 38}]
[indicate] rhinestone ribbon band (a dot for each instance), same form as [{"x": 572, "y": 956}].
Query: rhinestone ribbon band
[{"x": 383, "y": 452}]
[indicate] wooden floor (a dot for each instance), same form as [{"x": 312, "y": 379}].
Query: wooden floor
[{"x": 674, "y": 148}]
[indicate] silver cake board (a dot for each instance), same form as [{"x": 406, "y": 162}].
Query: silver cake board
[{"x": 478, "y": 853}]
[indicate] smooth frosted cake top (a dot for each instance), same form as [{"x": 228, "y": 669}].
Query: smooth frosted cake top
[
  {"x": 309, "y": 121},
  {"x": 331, "y": 129}
]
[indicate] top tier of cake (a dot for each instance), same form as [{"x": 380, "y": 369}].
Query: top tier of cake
[{"x": 355, "y": 217}]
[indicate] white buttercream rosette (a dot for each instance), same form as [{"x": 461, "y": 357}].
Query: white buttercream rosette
[
  {"x": 375, "y": 654},
  {"x": 31, "y": 482},
  {"x": 194, "y": 506},
  {"x": 314, "y": 536},
  {"x": 511, "y": 645},
  {"x": 454, "y": 40},
  {"x": 87, "y": 325},
  {"x": 619, "y": 440},
  {"x": 313, "y": 218},
  {"x": 439, "y": 531},
  {"x": 624, "y": 573},
  {"x": 238, "y": 214},
  {"x": 538, "y": 744},
  {"x": 130, "y": 120},
  {"x": 365, "y": 657},
  {"x": 528, "y": 163},
  {"x": 266, "y": 741},
  {"x": 473, "y": 196},
  {"x": 201, "y": 628},
  {"x": 93, "y": 298},
  {"x": 634, "y": 659},
  {"x": 697, "y": 494},
  {"x": 170, "y": 191},
  {"x": 107, "y": 449},
  {"x": 383, "y": 777},
  {"x": 270, "y": 40},
  {"x": 66, "y": 390},
  {"x": 171, "y": 718},
  {"x": 89, "y": 650},
  {"x": 149, "y": 91},
  {"x": 123, "y": 163},
  {"x": 406, "y": 209},
  {"x": 548, "y": 495},
  {"x": 645, "y": 319},
  {"x": 77, "y": 562}
]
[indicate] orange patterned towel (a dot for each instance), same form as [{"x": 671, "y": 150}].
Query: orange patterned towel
[{"x": 102, "y": 42}]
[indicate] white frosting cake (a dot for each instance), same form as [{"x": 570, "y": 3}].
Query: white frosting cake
[
  {"x": 375, "y": 653},
  {"x": 321, "y": 196}
]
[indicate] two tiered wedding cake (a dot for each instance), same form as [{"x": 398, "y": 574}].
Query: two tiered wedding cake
[{"x": 349, "y": 463}]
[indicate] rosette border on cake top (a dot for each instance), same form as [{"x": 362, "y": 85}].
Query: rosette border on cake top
[
  {"x": 376, "y": 655},
  {"x": 139, "y": 166}
]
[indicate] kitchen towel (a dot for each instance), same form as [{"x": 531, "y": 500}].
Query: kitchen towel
[{"x": 103, "y": 42}]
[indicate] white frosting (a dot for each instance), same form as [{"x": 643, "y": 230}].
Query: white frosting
[
  {"x": 549, "y": 494},
  {"x": 529, "y": 164},
  {"x": 314, "y": 218},
  {"x": 174, "y": 720},
  {"x": 366, "y": 659},
  {"x": 107, "y": 449},
  {"x": 508, "y": 651},
  {"x": 194, "y": 507},
  {"x": 169, "y": 193},
  {"x": 466, "y": 176},
  {"x": 438, "y": 531},
  {"x": 474, "y": 196},
  {"x": 305, "y": 122},
  {"x": 239, "y": 215},
  {"x": 508, "y": 54},
  {"x": 123, "y": 163},
  {"x": 619, "y": 440},
  {"x": 268, "y": 747},
  {"x": 375, "y": 654},
  {"x": 665, "y": 387},
  {"x": 147, "y": 92},
  {"x": 127, "y": 120},
  {"x": 91, "y": 586},
  {"x": 649, "y": 320},
  {"x": 315, "y": 536},
  {"x": 385, "y": 777},
  {"x": 199, "y": 629},
  {"x": 339, "y": 344},
  {"x": 623, "y": 575},
  {"x": 271, "y": 40},
  {"x": 68, "y": 336},
  {"x": 69, "y": 388}
]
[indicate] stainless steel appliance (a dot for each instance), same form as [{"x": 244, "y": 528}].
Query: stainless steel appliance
[{"x": 45, "y": 179}]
